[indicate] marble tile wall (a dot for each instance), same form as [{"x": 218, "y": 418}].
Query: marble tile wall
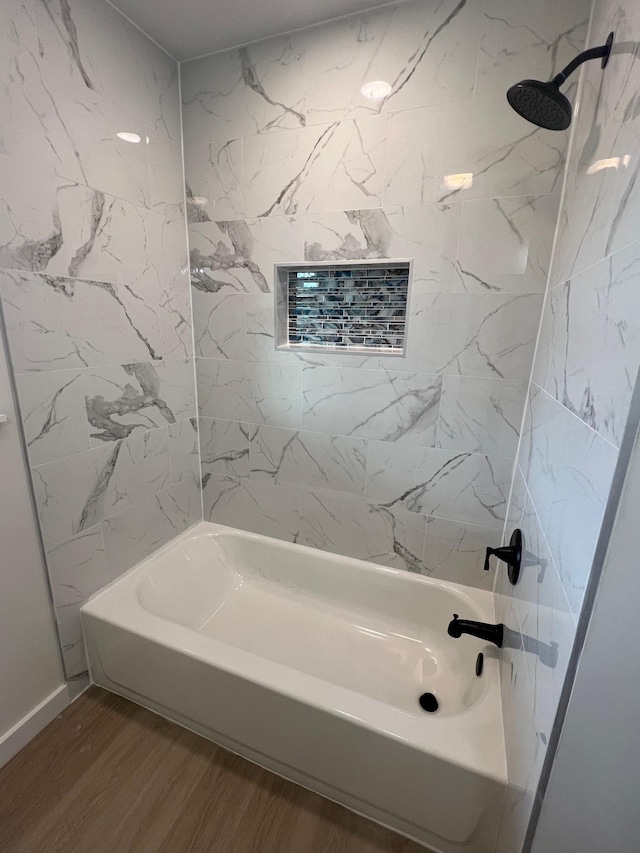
[
  {"x": 403, "y": 461},
  {"x": 585, "y": 370},
  {"x": 95, "y": 291}
]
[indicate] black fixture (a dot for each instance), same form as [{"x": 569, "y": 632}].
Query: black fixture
[
  {"x": 481, "y": 630},
  {"x": 428, "y": 702},
  {"x": 510, "y": 554},
  {"x": 543, "y": 103},
  {"x": 479, "y": 664}
]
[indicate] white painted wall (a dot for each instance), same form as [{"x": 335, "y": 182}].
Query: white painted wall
[
  {"x": 32, "y": 689},
  {"x": 591, "y": 802}
]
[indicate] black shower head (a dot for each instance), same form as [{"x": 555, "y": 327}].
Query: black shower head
[
  {"x": 544, "y": 104},
  {"x": 541, "y": 103}
]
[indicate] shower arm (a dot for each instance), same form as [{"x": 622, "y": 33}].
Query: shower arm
[{"x": 601, "y": 52}]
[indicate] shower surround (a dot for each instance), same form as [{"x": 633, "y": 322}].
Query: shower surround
[
  {"x": 95, "y": 291},
  {"x": 401, "y": 461},
  {"x": 585, "y": 370}
]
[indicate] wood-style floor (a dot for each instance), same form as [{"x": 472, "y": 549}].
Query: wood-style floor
[{"x": 110, "y": 777}]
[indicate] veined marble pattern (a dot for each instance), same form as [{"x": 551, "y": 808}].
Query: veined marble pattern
[
  {"x": 490, "y": 335},
  {"x": 456, "y": 552},
  {"x": 77, "y": 569},
  {"x": 224, "y": 447},
  {"x": 254, "y": 89},
  {"x": 524, "y": 41},
  {"x": 175, "y": 315},
  {"x": 496, "y": 154},
  {"x": 603, "y": 190},
  {"x": 95, "y": 291},
  {"x": 459, "y": 486},
  {"x": 589, "y": 348},
  {"x": 241, "y": 255},
  {"x": 309, "y": 460},
  {"x": 314, "y": 169},
  {"x": 480, "y": 415},
  {"x": 214, "y": 178},
  {"x": 249, "y": 391},
  {"x": 30, "y": 228},
  {"x": 428, "y": 55},
  {"x": 137, "y": 397},
  {"x": 537, "y": 607},
  {"x": 426, "y": 233},
  {"x": 585, "y": 219},
  {"x": 99, "y": 483},
  {"x": 252, "y": 505},
  {"x": 18, "y": 22},
  {"x": 376, "y": 404},
  {"x": 505, "y": 244},
  {"x": 568, "y": 469},
  {"x": 261, "y": 339},
  {"x": 107, "y": 239},
  {"x": 136, "y": 532},
  {"x": 184, "y": 453},
  {"x": 53, "y": 409},
  {"x": 55, "y": 322},
  {"x": 71, "y": 127},
  {"x": 125, "y": 67},
  {"x": 220, "y": 325},
  {"x": 384, "y": 535}
]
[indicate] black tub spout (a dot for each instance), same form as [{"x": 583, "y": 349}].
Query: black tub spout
[{"x": 481, "y": 630}]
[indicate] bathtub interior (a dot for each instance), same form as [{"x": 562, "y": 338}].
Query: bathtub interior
[{"x": 378, "y": 631}]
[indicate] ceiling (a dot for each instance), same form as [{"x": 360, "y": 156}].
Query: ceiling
[{"x": 190, "y": 28}]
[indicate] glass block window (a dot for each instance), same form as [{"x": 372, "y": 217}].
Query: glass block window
[{"x": 344, "y": 306}]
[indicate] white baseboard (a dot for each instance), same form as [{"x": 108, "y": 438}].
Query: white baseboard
[{"x": 32, "y": 723}]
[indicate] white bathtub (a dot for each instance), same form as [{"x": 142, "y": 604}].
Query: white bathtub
[{"x": 311, "y": 665}]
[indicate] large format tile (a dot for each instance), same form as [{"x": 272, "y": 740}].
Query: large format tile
[
  {"x": 250, "y": 505},
  {"x": 492, "y": 157},
  {"x": 456, "y": 552},
  {"x": 213, "y": 172},
  {"x": 426, "y": 233},
  {"x": 325, "y": 167},
  {"x": 73, "y": 127},
  {"x": 457, "y": 486},
  {"x": 256, "y": 392},
  {"x": 137, "y": 397},
  {"x": 52, "y": 406},
  {"x": 307, "y": 459},
  {"x": 56, "y": 322},
  {"x": 429, "y": 56},
  {"x": 524, "y": 40},
  {"x": 505, "y": 244},
  {"x": 490, "y": 335},
  {"x": 95, "y": 47},
  {"x": 219, "y": 325},
  {"x": 384, "y": 535},
  {"x": 261, "y": 331},
  {"x": 30, "y": 228},
  {"x": 257, "y": 88},
  {"x": 568, "y": 469},
  {"x": 134, "y": 533},
  {"x": 224, "y": 447},
  {"x": 480, "y": 415},
  {"x": 184, "y": 451},
  {"x": 76, "y": 493},
  {"x": 77, "y": 569},
  {"x": 240, "y": 255},
  {"x": 589, "y": 348},
  {"x": 378, "y": 404}
]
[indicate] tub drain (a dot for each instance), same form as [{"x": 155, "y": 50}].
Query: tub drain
[{"x": 428, "y": 702}]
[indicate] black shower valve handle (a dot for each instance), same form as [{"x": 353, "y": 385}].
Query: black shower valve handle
[{"x": 510, "y": 554}]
